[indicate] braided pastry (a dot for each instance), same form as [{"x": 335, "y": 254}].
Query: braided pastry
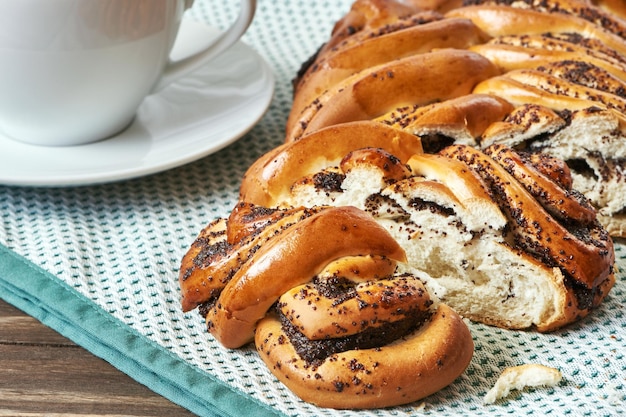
[
  {"x": 504, "y": 209},
  {"x": 441, "y": 156},
  {"x": 533, "y": 228},
  {"x": 332, "y": 316},
  {"x": 575, "y": 69},
  {"x": 564, "y": 56},
  {"x": 271, "y": 270}
]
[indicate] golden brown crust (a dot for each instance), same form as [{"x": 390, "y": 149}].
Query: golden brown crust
[
  {"x": 212, "y": 259},
  {"x": 196, "y": 286},
  {"x": 393, "y": 169},
  {"x": 553, "y": 168},
  {"x": 402, "y": 372},
  {"x": 586, "y": 74},
  {"x": 406, "y": 81},
  {"x": 268, "y": 180},
  {"x": 514, "y": 57},
  {"x": 586, "y": 49},
  {"x": 440, "y": 6},
  {"x": 584, "y": 9},
  {"x": 363, "y": 15},
  {"x": 558, "y": 201},
  {"x": 617, "y": 8},
  {"x": 523, "y": 123},
  {"x": 300, "y": 253},
  {"x": 462, "y": 118},
  {"x": 378, "y": 48},
  {"x": 359, "y": 268},
  {"x": 356, "y": 28},
  {"x": 559, "y": 86},
  {"x": 519, "y": 93},
  {"x": 497, "y": 20},
  {"x": 464, "y": 184},
  {"x": 371, "y": 304}
]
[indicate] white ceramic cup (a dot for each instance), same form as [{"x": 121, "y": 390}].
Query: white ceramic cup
[{"x": 75, "y": 71}]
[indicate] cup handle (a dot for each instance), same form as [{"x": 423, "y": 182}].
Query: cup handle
[{"x": 175, "y": 70}]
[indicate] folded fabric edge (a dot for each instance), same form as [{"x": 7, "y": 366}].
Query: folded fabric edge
[{"x": 60, "y": 307}]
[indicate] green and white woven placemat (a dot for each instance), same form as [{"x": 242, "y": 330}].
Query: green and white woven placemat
[{"x": 100, "y": 263}]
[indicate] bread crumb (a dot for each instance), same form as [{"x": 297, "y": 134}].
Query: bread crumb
[
  {"x": 421, "y": 407},
  {"x": 520, "y": 377}
]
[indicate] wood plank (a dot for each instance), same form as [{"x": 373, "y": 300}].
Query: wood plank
[
  {"x": 44, "y": 374},
  {"x": 19, "y": 328}
]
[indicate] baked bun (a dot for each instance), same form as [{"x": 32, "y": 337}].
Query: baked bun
[
  {"x": 504, "y": 229},
  {"x": 565, "y": 56},
  {"x": 442, "y": 158},
  {"x": 332, "y": 316}
]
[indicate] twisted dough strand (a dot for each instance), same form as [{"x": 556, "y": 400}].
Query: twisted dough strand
[
  {"x": 212, "y": 259},
  {"x": 536, "y": 229},
  {"x": 422, "y": 363},
  {"x": 271, "y": 271}
]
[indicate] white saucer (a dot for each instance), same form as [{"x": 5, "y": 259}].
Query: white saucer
[{"x": 198, "y": 115}]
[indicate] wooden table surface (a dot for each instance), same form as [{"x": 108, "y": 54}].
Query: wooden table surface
[{"x": 43, "y": 373}]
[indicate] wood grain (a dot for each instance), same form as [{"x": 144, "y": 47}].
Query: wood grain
[{"x": 44, "y": 374}]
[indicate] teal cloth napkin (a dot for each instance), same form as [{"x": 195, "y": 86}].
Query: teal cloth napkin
[
  {"x": 52, "y": 302},
  {"x": 100, "y": 263}
]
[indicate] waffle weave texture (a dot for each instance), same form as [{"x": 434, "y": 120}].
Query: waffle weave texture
[{"x": 119, "y": 246}]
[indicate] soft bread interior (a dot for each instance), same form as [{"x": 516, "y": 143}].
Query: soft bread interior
[
  {"x": 591, "y": 141},
  {"x": 464, "y": 248}
]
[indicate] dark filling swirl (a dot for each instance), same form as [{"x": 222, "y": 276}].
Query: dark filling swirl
[{"x": 314, "y": 352}]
